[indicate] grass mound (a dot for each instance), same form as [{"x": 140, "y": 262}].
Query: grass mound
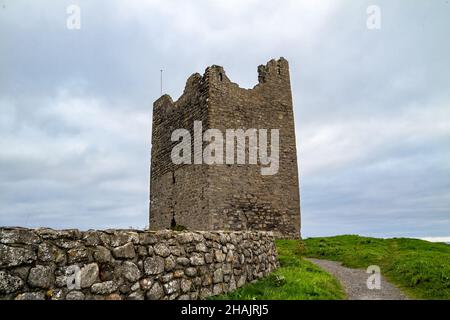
[{"x": 420, "y": 268}]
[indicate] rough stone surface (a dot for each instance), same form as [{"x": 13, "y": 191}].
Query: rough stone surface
[
  {"x": 124, "y": 252},
  {"x": 31, "y": 296},
  {"x": 218, "y": 276},
  {"x": 120, "y": 238},
  {"x": 154, "y": 265},
  {"x": 130, "y": 271},
  {"x": 104, "y": 287},
  {"x": 77, "y": 254},
  {"x": 171, "y": 287},
  {"x": 113, "y": 296},
  {"x": 9, "y": 283},
  {"x": 136, "y": 296},
  {"x": 103, "y": 265},
  {"x": 145, "y": 284},
  {"x": 75, "y": 295},
  {"x": 199, "y": 196},
  {"x": 156, "y": 292},
  {"x": 169, "y": 264},
  {"x": 18, "y": 235},
  {"x": 218, "y": 289},
  {"x": 161, "y": 250},
  {"x": 47, "y": 253},
  {"x": 220, "y": 257},
  {"x": 197, "y": 259},
  {"x": 186, "y": 285},
  {"x": 16, "y": 256},
  {"x": 102, "y": 254},
  {"x": 190, "y": 272},
  {"x": 41, "y": 277},
  {"x": 89, "y": 275},
  {"x": 183, "y": 261}
]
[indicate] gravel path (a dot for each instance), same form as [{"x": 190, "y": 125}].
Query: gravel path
[{"x": 354, "y": 282}]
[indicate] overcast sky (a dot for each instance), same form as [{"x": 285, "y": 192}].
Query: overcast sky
[{"x": 372, "y": 107}]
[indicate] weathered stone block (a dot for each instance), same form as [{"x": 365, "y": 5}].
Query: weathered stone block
[
  {"x": 169, "y": 264},
  {"x": 18, "y": 236},
  {"x": 147, "y": 238},
  {"x": 185, "y": 285},
  {"x": 171, "y": 287},
  {"x": 102, "y": 254},
  {"x": 183, "y": 261},
  {"x": 120, "y": 238},
  {"x": 89, "y": 275},
  {"x": 16, "y": 256},
  {"x": 75, "y": 295},
  {"x": 9, "y": 283},
  {"x": 156, "y": 292},
  {"x": 146, "y": 284},
  {"x": 130, "y": 271},
  {"x": 78, "y": 254},
  {"x": 41, "y": 277},
  {"x": 178, "y": 273},
  {"x": 103, "y": 288},
  {"x": 219, "y": 256},
  {"x": 138, "y": 295},
  {"x": 191, "y": 272},
  {"x": 218, "y": 275},
  {"x": 184, "y": 238},
  {"x": 217, "y": 289},
  {"x": 153, "y": 265},
  {"x": 50, "y": 253},
  {"x": 124, "y": 252},
  {"x": 197, "y": 259},
  {"x": 31, "y": 296},
  {"x": 162, "y": 250}
]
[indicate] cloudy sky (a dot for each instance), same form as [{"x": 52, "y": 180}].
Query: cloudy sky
[{"x": 372, "y": 107}]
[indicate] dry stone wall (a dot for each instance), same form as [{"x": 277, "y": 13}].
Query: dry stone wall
[{"x": 130, "y": 264}]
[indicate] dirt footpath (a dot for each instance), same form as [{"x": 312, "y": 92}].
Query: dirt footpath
[{"x": 354, "y": 282}]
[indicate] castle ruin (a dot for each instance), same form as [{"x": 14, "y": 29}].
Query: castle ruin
[{"x": 226, "y": 196}]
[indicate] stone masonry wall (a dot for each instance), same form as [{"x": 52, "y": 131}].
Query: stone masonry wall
[
  {"x": 241, "y": 198},
  {"x": 177, "y": 191},
  {"x": 130, "y": 264},
  {"x": 227, "y": 196}
]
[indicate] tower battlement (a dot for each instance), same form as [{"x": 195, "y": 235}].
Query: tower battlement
[{"x": 226, "y": 196}]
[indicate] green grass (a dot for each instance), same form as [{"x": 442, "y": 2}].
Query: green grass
[
  {"x": 294, "y": 279},
  {"x": 420, "y": 268}
]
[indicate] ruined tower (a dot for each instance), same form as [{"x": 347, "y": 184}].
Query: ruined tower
[{"x": 226, "y": 196}]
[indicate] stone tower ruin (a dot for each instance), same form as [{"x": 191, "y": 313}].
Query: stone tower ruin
[{"x": 226, "y": 196}]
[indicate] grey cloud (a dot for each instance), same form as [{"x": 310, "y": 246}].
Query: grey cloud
[{"x": 370, "y": 106}]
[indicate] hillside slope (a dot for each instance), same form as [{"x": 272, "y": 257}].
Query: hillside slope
[
  {"x": 295, "y": 279},
  {"x": 420, "y": 268}
]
